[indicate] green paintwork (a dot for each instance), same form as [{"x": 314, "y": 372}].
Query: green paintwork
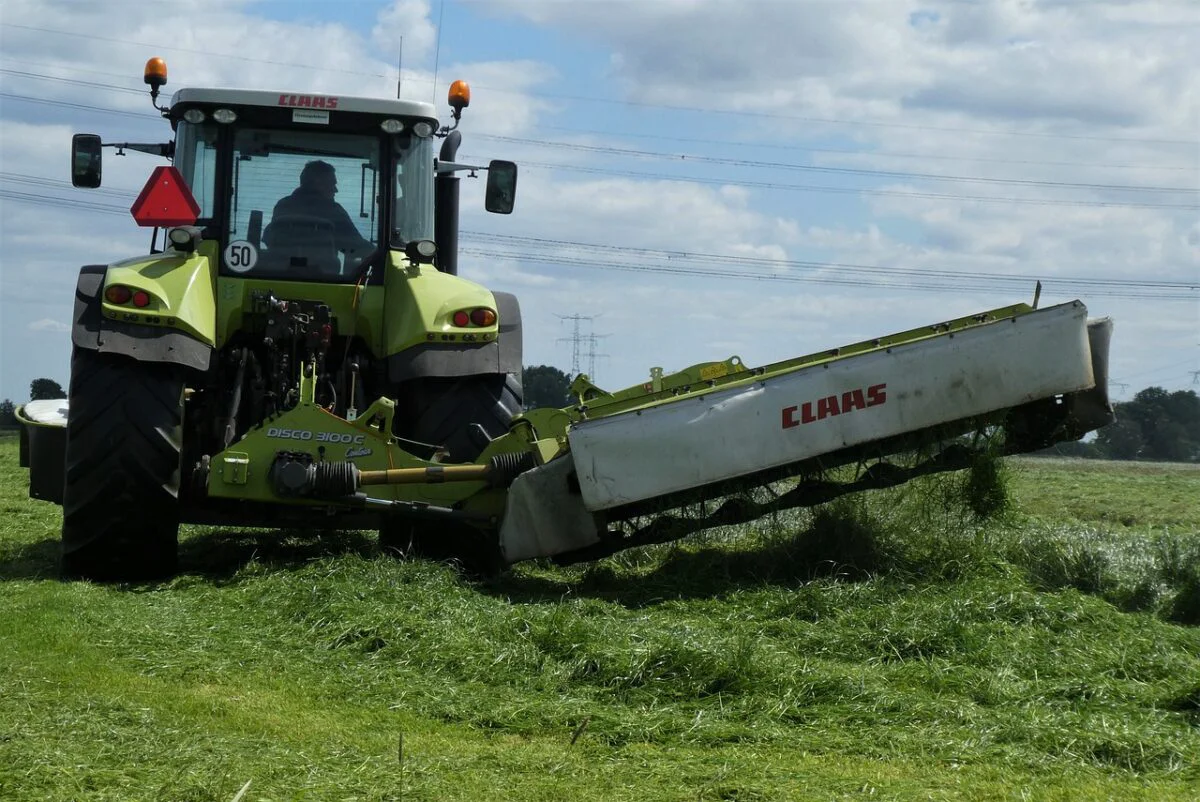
[
  {"x": 243, "y": 470},
  {"x": 180, "y": 287},
  {"x": 357, "y": 311},
  {"x": 414, "y": 306},
  {"x": 420, "y": 301}
]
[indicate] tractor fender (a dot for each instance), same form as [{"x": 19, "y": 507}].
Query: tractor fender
[
  {"x": 449, "y": 360},
  {"x": 143, "y": 342}
]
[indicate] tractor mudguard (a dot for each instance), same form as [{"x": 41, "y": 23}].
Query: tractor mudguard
[
  {"x": 144, "y": 342},
  {"x": 448, "y": 360}
]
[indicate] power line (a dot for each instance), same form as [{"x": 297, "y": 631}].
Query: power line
[
  {"x": 723, "y": 182},
  {"x": 1159, "y": 369},
  {"x": 888, "y": 154},
  {"x": 692, "y": 140},
  {"x": 60, "y": 202},
  {"x": 642, "y": 267},
  {"x": 81, "y": 106},
  {"x": 72, "y": 81},
  {"x": 853, "y": 190},
  {"x": 36, "y": 180},
  {"x": 90, "y": 70},
  {"x": 835, "y": 121},
  {"x": 854, "y": 171},
  {"x": 635, "y": 103},
  {"x": 557, "y": 260},
  {"x": 159, "y": 46},
  {"x": 842, "y": 267},
  {"x": 576, "y": 253},
  {"x": 692, "y": 157}
]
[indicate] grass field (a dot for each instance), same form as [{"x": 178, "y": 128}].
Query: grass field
[{"x": 887, "y": 647}]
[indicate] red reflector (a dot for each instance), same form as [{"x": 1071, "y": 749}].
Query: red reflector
[
  {"x": 165, "y": 201},
  {"x": 117, "y": 294},
  {"x": 483, "y": 317},
  {"x": 462, "y": 319},
  {"x": 141, "y": 298}
]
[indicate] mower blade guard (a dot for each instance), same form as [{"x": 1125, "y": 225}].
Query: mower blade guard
[{"x": 926, "y": 388}]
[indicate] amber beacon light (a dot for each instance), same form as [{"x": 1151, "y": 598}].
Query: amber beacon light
[
  {"x": 156, "y": 76},
  {"x": 156, "y": 73},
  {"x": 460, "y": 95}
]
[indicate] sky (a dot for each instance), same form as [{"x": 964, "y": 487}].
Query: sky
[{"x": 698, "y": 178}]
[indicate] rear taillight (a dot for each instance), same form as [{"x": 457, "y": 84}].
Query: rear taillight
[
  {"x": 481, "y": 317},
  {"x": 118, "y": 294},
  {"x": 141, "y": 299}
]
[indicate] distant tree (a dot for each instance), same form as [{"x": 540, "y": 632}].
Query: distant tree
[
  {"x": 1120, "y": 440},
  {"x": 42, "y": 389},
  {"x": 8, "y": 413},
  {"x": 546, "y": 386},
  {"x": 1155, "y": 425}
]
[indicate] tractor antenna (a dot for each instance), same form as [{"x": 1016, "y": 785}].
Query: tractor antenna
[
  {"x": 437, "y": 48},
  {"x": 399, "y": 67}
]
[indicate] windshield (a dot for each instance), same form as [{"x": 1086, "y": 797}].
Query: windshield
[
  {"x": 413, "y": 218},
  {"x": 196, "y": 158},
  {"x": 304, "y": 203}
]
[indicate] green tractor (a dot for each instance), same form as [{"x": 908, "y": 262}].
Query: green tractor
[
  {"x": 301, "y": 353},
  {"x": 307, "y": 266}
]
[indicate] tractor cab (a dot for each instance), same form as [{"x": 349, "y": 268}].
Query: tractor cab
[{"x": 307, "y": 187}]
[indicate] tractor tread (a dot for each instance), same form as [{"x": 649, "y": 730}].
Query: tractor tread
[{"x": 124, "y": 439}]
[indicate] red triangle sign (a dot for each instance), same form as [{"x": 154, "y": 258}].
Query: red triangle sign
[{"x": 165, "y": 201}]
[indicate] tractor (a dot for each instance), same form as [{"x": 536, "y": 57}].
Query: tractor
[{"x": 298, "y": 351}]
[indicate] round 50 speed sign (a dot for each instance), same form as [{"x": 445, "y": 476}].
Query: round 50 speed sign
[{"x": 240, "y": 256}]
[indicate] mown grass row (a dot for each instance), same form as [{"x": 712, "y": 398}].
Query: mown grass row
[{"x": 897, "y": 644}]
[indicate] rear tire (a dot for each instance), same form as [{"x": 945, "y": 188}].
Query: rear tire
[
  {"x": 460, "y": 414},
  {"x": 121, "y": 496}
]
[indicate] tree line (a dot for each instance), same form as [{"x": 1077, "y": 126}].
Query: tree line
[{"x": 1155, "y": 425}]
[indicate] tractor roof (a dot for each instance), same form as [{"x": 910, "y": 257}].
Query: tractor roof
[{"x": 254, "y": 97}]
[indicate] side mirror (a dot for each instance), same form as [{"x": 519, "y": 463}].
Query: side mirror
[
  {"x": 85, "y": 160},
  {"x": 501, "y": 190}
]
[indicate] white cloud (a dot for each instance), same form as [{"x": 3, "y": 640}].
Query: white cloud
[
  {"x": 998, "y": 61},
  {"x": 405, "y": 24},
  {"x": 1089, "y": 96},
  {"x": 1097, "y": 81},
  {"x": 46, "y": 324}
]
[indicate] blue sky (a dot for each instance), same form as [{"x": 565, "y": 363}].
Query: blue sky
[{"x": 948, "y": 144}]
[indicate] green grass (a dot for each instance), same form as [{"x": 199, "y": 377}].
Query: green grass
[
  {"x": 1119, "y": 495},
  {"x": 890, "y": 646}
]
